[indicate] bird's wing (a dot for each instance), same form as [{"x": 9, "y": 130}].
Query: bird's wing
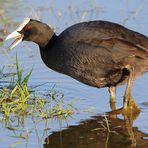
[
  {"x": 120, "y": 48},
  {"x": 106, "y": 34},
  {"x": 105, "y": 41}
]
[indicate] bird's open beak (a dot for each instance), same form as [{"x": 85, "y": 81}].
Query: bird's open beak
[
  {"x": 16, "y": 35},
  {"x": 18, "y": 38}
]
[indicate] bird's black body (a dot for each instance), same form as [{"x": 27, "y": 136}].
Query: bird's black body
[{"x": 97, "y": 52}]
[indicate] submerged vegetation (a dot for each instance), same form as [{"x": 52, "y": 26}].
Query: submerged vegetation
[
  {"x": 19, "y": 102},
  {"x": 18, "y": 99}
]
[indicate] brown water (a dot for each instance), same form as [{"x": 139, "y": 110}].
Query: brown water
[{"x": 85, "y": 128}]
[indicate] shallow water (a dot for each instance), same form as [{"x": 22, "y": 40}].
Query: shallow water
[{"x": 61, "y": 14}]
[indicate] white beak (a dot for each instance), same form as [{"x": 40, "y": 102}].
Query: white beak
[{"x": 18, "y": 37}]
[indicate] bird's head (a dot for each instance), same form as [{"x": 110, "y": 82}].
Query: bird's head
[{"x": 31, "y": 30}]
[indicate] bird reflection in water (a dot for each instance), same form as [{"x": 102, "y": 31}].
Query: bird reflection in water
[{"x": 94, "y": 133}]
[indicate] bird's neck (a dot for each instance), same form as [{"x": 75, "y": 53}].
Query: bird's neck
[
  {"x": 48, "y": 52},
  {"x": 49, "y": 43}
]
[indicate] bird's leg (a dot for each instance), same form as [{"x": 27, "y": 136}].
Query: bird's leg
[
  {"x": 112, "y": 92},
  {"x": 127, "y": 95},
  {"x": 128, "y": 102}
]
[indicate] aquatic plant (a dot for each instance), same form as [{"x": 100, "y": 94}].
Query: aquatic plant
[{"x": 18, "y": 99}]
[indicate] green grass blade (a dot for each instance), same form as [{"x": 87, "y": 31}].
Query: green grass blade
[{"x": 25, "y": 80}]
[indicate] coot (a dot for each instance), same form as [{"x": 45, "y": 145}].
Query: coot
[{"x": 97, "y": 53}]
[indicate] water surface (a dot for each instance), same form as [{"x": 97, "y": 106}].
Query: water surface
[{"x": 60, "y": 15}]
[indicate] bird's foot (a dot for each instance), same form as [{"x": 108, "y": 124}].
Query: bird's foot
[
  {"x": 129, "y": 104},
  {"x": 131, "y": 109}
]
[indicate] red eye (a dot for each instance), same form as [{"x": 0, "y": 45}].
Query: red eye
[{"x": 26, "y": 28}]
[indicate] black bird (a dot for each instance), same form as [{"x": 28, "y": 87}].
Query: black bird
[{"x": 97, "y": 53}]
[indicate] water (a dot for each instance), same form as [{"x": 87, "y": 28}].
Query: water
[{"x": 60, "y": 15}]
